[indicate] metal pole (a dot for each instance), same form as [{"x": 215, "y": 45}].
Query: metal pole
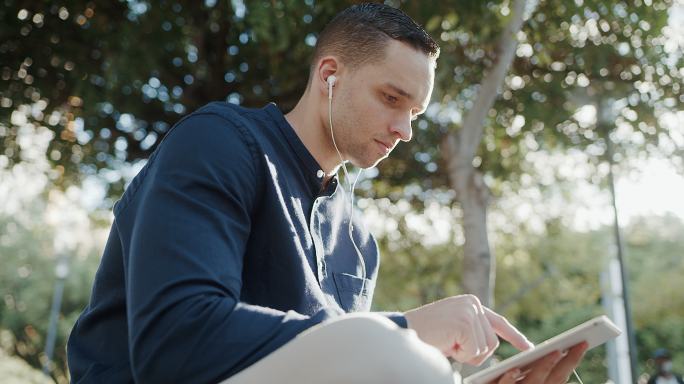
[
  {"x": 621, "y": 259},
  {"x": 619, "y": 362},
  {"x": 52, "y": 329},
  {"x": 61, "y": 272}
]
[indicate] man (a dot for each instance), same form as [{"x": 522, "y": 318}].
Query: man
[
  {"x": 664, "y": 373},
  {"x": 233, "y": 255}
]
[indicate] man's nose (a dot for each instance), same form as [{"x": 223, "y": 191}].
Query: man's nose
[{"x": 402, "y": 128}]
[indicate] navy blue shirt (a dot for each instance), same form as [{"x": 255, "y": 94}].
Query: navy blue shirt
[{"x": 224, "y": 247}]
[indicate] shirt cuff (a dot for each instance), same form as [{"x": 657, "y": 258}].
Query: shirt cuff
[{"x": 397, "y": 317}]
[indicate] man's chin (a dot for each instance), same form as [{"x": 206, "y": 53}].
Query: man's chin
[{"x": 367, "y": 163}]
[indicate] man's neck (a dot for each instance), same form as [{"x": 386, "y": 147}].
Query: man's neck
[{"x": 310, "y": 127}]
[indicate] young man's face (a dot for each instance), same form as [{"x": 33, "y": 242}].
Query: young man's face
[{"x": 375, "y": 104}]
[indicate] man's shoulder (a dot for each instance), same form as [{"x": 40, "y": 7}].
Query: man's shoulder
[
  {"x": 233, "y": 113},
  {"x": 207, "y": 142},
  {"x": 252, "y": 125},
  {"x": 220, "y": 122}
]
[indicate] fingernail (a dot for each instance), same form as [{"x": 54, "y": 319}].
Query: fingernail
[
  {"x": 516, "y": 373},
  {"x": 564, "y": 353}
]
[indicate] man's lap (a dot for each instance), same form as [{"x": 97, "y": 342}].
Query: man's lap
[{"x": 355, "y": 348}]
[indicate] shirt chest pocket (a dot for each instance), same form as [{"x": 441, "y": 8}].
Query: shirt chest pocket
[{"x": 353, "y": 295}]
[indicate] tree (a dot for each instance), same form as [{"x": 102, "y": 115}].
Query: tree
[
  {"x": 459, "y": 150},
  {"x": 110, "y": 79},
  {"x": 570, "y": 53}
]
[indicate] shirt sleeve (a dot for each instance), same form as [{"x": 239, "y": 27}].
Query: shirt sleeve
[
  {"x": 397, "y": 317},
  {"x": 185, "y": 224}
]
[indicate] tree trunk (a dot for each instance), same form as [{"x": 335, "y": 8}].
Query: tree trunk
[
  {"x": 459, "y": 149},
  {"x": 473, "y": 195}
]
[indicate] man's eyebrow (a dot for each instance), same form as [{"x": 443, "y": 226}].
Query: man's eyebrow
[
  {"x": 399, "y": 90},
  {"x": 403, "y": 93}
]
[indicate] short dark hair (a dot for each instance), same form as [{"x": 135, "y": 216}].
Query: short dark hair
[{"x": 359, "y": 34}]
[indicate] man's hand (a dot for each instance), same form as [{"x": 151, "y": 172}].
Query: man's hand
[
  {"x": 552, "y": 368},
  {"x": 463, "y": 329}
]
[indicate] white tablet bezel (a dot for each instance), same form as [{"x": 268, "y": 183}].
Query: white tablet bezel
[{"x": 595, "y": 331}]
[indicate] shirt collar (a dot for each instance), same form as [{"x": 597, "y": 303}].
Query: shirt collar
[{"x": 313, "y": 170}]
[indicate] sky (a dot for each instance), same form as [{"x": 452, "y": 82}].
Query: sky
[{"x": 654, "y": 189}]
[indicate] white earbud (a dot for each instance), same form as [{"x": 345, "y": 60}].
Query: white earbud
[{"x": 331, "y": 81}]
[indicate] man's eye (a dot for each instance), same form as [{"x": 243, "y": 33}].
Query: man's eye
[{"x": 391, "y": 99}]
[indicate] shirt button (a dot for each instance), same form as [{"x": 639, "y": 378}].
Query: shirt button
[{"x": 320, "y": 173}]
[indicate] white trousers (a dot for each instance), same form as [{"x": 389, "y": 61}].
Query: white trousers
[{"x": 355, "y": 348}]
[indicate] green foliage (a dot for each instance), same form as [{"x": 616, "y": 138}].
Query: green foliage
[
  {"x": 571, "y": 294},
  {"x": 16, "y": 371},
  {"x": 28, "y": 279},
  {"x": 412, "y": 274},
  {"x": 655, "y": 245},
  {"x": 126, "y": 71},
  {"x": 570, "y": 54},
  {"x": 109, "y": 79},
  {"x": 548, "y": 281}
]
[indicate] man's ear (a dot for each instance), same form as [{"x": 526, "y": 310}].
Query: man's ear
[{"x": 327, "y": 66}]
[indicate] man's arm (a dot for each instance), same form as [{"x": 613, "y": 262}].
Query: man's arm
[{"x": 186, "y": 227}]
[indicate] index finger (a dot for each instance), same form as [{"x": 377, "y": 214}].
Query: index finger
[{"x": 507, "y": 331}]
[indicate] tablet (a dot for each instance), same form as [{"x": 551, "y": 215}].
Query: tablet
[{"x": 595, "y": 331}]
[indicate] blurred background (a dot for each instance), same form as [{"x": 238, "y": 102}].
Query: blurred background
[{"x": 568, "y": 117}]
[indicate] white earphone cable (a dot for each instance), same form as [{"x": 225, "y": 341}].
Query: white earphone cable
[
  {"x": 351, "y": 188},
  {"x": 577, "y": 376}
]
